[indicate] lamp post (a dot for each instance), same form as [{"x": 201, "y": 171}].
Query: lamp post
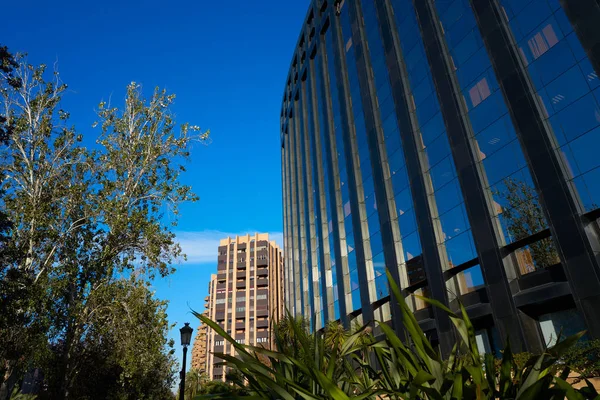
[{"x": 186, "y": 336}]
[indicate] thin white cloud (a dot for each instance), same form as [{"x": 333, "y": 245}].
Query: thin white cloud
[{"x": 202, "y": 246}]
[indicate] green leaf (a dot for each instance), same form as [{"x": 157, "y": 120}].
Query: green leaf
[
  {"x": 532, "y": 379},
  {"x": 423, "y": 377},
  {"x": 560, "y": 348},
  {"x": 457, "y": 387},
  {"x": 568, "y": 390},
  {"x": 506, "y": 368},
  {"x": 490, "y": 371}
]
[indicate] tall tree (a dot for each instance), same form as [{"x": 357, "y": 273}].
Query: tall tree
[
  {"x": 84, "y": 218},
  {"x": 18, "y": 330},
  {"x": 123, "y": 354}
]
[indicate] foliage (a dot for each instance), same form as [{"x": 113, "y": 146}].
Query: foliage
[
  {"x": 221, "y": 389},
  {"x": 584, "y": 358},
  {"x": 339, "y": 365},
  {"x": 18, "y": 345},
  {"x": 198, "y": 384},
  {"x": 16, "y": 395},
  {"x": 194, "y": 381},
  {"x": 123, "y": 355},
  {"x": 88, "y": 231}
]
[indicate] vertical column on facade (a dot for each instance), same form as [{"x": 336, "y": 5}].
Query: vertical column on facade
[
  {"x": 584, "y": 16},
  {"x": 324, "y": 252},
  {"x": 289, "y": 245},
  {"x": 249, "y": 303},
  {"x": 355, "y": 188},
  {"x": 338, "y": 231},
  {"x": 303, "y": 266},
  {"x": 211, "y": 333},
  {"x": 309, "y": 209},
  {"x": 434, "y": 256},
  {"x": 297, "y": 253},
  {"x": 477, "y": 201},
  {"x": 285, "y": 211},
  {"x": 384, "y": 192},
  {"x": 281, "y": 288},
  {"x": 292, "y": 217},
  {"x": 231, "y": 306},
  {"x": 559, "y": 201}
]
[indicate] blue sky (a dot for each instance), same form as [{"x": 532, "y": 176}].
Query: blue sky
[{"x": 225, "y": 60}]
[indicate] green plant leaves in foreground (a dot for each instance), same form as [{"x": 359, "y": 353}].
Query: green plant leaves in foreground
[{"x": 337, "y": 364}]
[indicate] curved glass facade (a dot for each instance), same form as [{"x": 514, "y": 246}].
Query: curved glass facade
[{"x": 452, "y": 142}]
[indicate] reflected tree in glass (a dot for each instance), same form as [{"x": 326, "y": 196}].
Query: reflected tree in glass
[{"x": 524, "y": 217}]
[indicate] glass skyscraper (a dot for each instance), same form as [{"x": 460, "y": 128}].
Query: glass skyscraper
[{"x": 454, "y": 143}]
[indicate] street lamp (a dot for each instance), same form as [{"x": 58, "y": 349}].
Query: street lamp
[{"x": 186, "y": 336}]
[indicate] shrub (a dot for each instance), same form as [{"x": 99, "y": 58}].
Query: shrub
[{"x": 341, "y": 365}]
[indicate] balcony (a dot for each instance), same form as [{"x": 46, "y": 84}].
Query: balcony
[
  {"x": 241, "y": 275},
  {"x": 262, "y": 272},
  {"x": 262, "y": 323},
  {"x": 262, "y": 282},
  {"x": 262, "y": 313},
  {"x": 264, "y": 334},
  {"x": 240, "y": 284},
  {"x": 240, "y": 325},
  {"x": 262, "y": 303},
  {"x": 221, "y": 277},
  {"x": 262, "y": 262}
]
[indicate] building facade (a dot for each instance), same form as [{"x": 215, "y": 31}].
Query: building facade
[
  {"x": 199, "y": 347},
  {"x": 453, "y": 143},
  {"x": 245, "y": 296}
]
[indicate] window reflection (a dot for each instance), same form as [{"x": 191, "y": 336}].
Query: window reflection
[
  {"x": 460, "y": 249},
  {"x": 563, "y": 77},
  {"x": 411, "y": 246},
  {"x": 418, "y": 303},
  {"x": 379, "y": 264},
  {"x": 454, "y": 222},
  {"x": 381, "y": 287},
  {"x": 470, "y": 280},
  {"x": 354, "y": 282},
  {"x": 588, "y": 186},
  {"x": 560, "y": 324},
  {"x": 379, "y": 267},
  {"x": 523, "y": 216},
  {"x": 331, "y": 274},
  {"x": 567, "y": 88},
  {"x": 479, "y": 92},
  {"x": 542, "y": 41},
  {"x": 355, "y": 296}
]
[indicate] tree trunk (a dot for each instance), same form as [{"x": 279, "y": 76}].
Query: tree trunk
[
  {"x": 8, "y": 380},
  {"x": 70, "y": 338}
]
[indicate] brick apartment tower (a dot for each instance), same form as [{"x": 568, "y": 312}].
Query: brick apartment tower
[
  {"x": 246, "y": 295},
  {"x": 199, "y": 347}
]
